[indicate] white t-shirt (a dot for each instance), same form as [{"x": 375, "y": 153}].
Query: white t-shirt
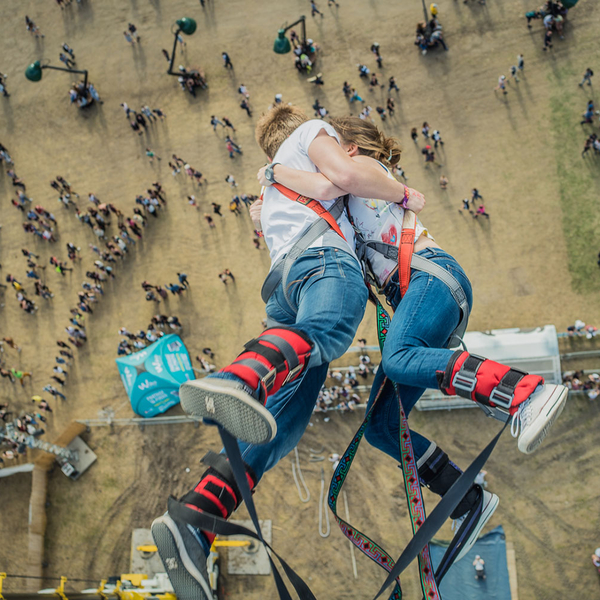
[
  {"x": 380, "y": 221},
  {"x": 283, "y": 220}
]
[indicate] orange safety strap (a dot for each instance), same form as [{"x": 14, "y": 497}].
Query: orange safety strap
[
  {"x": 405, "y": 249},
  {"x": 313, "y": 205}
]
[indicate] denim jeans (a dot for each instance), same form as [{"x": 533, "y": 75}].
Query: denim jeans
[
  {"x": 415, "y": 348},
  {"x": 327, "y": 286}
]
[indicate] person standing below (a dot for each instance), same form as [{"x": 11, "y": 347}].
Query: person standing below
[
  {"x": 520, "y": 62},
  {"x": 226, "y": 60},
  {"x": 414, "y": 135},
  {"x": 513, "y": 72},
  {"x": 475, "y": 195},
  {"x": 245, "y": 105},
  {"x": 32, "y": 27},
  {"x": 209, "y": 220},
  {"x": 66, "y": 60},
  {"x": 183, "y": 280},
  {"x": 587, "y": 77},
  {"x": 314, "y": 10},
  {"x": 392, "y": 85},
  {"x": 214, "y": 122},
  {"x": 479, "y": 565},
  {"x": 133, "y": 30},
  {"x": 547, "y": 39},
  {"x": 3, "y": 85},
  {"x": 128, "y": 37},
  {"x": 481, "y": 211},
  {"x": 501, "y": 84},
  {"x": 228, "y": 123},
  {"x": 231, "y": 149},
  {"x": 443, "y": 182},
  {"x": 436, "y": 136},
  {"x": 425, "y": 130},
  {"x": 216, "y": 209}
]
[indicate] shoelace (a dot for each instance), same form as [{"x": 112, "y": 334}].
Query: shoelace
[{"x": 521, "y": 418}]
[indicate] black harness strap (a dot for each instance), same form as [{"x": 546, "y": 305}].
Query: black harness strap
[
  {"x": 440, "y": 513},
  {"x": 207, "y": 522}
]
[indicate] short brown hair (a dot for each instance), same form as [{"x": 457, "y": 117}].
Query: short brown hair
[
  {"x": 276, "y": 125},
  {"x": 370, "y": 140}
]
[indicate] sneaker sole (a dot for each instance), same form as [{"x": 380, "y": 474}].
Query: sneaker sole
[
  {"x": 231, "y": 407},
  {"x": 187, "y": 580},
  {"x": 538, "y": 430},
  {"x": 486, "y": 513}
]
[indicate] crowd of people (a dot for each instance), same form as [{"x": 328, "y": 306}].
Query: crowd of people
[
  {"x": 159, "y": 326},
  {"x": 578, "y": 381}
]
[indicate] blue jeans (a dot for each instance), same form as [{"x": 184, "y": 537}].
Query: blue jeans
[
  {"x": 327, "y": 287},
  {"x": 415, "y": 349}
]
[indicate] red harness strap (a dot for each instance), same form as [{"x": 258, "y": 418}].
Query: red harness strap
[
  {"x": 405, "y": 249},
  {"x": 313, "y": 205}
]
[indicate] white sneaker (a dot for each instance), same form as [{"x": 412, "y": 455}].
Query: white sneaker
[
  {"x": 537, "y": 414},
  {"x": 490, "y": 503}
]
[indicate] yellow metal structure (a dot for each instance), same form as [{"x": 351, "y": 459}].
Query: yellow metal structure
[
  {"x": 60, "y": 590},
  {"x": 2, "y": 578},
  {"x": 100, "y": 590},
  {"x": 218, "y": 542}
]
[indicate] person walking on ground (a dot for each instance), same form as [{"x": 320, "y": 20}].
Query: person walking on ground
[
  {"x": 209, "y": 220},
  {"x": 245, "y": 105},
  {"x": 20, "y": 375},
  {"x": 392, "y": 85},
  {"x": 466, "y": 206},
  {"x": 226, "y": 60},
  {"x": 479, "y": 565},
  {"x": 228, "y": 123},
  {"x": 128, "y": 37},
  {"x": 436, "y": 136},
  {"x": 513, "y": 71},
  {"x": 425, "y": 130},
  {"x": 587, "y": 77},
  {"x": 133, "y": 31},
  {"x": 475, "y": 195},
  {"x": 183, "y": 280},
  {"x": 229, "y": 274},
  {"x": 230, "y": 179},
  {"x": 10, "y": 342},
  {"x": 151, "y": 155},
  {"x": 520, "y": 62},
  {"x": 32, "y": 27},
  {"x": 481, "y": 211},
  {"x": 314, "y": 10},
  {"x": 214, "y": 122},
  {"x": 501, "y": 84},
  {"x": 3, "y": 89},
  {"x": 547, "y": 40},
  {"x": 66, "y": 60},
  {"x": 443, "y": 182},
  {"x": 414, "y": 135},
  {"x": 216, "y": 209},
  {"x": 232, "y": 149}
]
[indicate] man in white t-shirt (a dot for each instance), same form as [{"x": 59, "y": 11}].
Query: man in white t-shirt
[{"x": 265, "y": 398}]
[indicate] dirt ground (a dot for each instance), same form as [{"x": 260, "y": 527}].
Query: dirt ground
[{"x": 532, "y": 263}]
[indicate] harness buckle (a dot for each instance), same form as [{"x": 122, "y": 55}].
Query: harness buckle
[
  {"x": 292, "y": 373},
  {"x": 501, "y": 399},
  {"x": 464, "y": 383},
  {"x": 269, "y": 379}
]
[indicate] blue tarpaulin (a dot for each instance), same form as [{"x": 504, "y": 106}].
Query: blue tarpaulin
[
  {"x": 152, "y": 376},
  {"x": 460, "y": 583}
]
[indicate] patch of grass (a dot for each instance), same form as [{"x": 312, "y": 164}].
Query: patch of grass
[{"x": 579, "y": 180}]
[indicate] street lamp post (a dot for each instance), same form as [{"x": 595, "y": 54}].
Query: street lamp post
[
  {"x": 282, "y": 44},
  {"x": 425, "y": 13},
  {"x": 34, "y": 72},
  {"x": 187, "y": 26}
]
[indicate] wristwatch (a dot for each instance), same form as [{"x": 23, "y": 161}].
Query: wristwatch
[{"x": 269, "y": 175}]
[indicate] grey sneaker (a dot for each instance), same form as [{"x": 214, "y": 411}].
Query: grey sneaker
[
  {"x": 184, "y": 557},
  {"x": 537, "y": 414},
  {"x": 232, "y": 405},
  {"x": 473, "y": 529}
]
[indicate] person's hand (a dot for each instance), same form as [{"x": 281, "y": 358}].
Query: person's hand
[
  {"x": 255, "y": 210},
  {"x": 261, "y": 177},
  {"x": 416, "y": 201}
]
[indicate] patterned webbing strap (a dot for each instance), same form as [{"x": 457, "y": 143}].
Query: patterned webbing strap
[{"x": 411, "y": 482}]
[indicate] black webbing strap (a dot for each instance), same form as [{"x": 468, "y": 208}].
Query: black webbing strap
[
  {"x": 502, "y": 395},
  {"x": 220, "y": 526},
  {"x": 220, "y": 464},
  {"x": 465, "y": 380},
  {"x": 459, "y": 539},
  {"x": 273, "y": 357},
  {"x": 440, "y": 513}
]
